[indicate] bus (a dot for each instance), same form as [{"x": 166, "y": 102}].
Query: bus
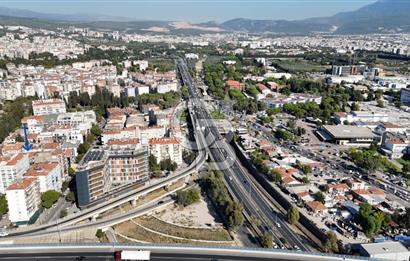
[{"x": 131, "y": 255}]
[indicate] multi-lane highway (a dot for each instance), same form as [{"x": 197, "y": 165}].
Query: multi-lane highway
[{"x": 237, "y": 179}]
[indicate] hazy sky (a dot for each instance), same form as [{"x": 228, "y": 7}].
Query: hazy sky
[{"x": 193, "y": 10}]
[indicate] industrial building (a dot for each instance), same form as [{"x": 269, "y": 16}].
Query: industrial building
[{"x": 348, "y": 135}]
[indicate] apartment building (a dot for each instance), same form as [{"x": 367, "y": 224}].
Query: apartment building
[
  {"x": 35, "y": 124},
  {"x": 50, "y": 106},
  {"x": 166, "y": 148},
  {"x": 363, "y": 116},
  {"x": 12, "y": 168},
  {"x": 24, "y": 199},
  {"x": 48, "y": 175},
  {"x": 127, "y": 162},
  {"x": 101, "y": 168}
]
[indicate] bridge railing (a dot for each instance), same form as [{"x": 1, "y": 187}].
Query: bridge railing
[{"x": 174, "y": 248}]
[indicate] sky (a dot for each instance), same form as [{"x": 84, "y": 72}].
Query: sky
[{"x": 193, "y": 10}]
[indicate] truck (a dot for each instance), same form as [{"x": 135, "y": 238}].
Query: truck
[{"x": 132, "y": 255}]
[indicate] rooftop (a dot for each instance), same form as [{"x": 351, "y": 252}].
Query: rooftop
[
  {"x": 348, "y": 131},
  {"x": 384, "y": 247},
  {"x": 23, "y": 184}
]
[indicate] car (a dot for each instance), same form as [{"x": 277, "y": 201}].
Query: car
[
  {"x": 160, "y": 202},
  {"x": 278, "y": 224}
]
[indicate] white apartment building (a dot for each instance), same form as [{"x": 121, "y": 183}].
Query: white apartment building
[
  {"x": 363, "y": 116},
  {"x": 167, "y": 87},
  {"x": 75, "y": 118},
  {"x": 23, "y": 198},
  {"x": 143, "y": 64},
  {"x": 121, "y": 134},
  {"x": 166, "y": 148},
  {"x": 12, "y": 168},
  {"x": 48, "y": 175},
  {"x": 140, "y": 90},
  {"x": 50, "y": 106},
  {"x": 151, "y": 132},
  {"x": 35, "y": 124}
]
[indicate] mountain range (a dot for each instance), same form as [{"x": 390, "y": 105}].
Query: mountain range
[{"x": 383, "y": 16}]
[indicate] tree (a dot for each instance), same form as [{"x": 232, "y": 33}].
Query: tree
[
  {"x": 355, "y": 107},
  {"x": 320, "y": 197},
  {"x": 168, "y": 164},
  {"x": 187, "y": 197},
  {"x": 63, "y": 213},
  {"x": 370, "y": 220},
  {"x": 49, "y": 197},
  {"x": 274, "y": 175},
  {"x": 65, "y": 185},
  {"x": 331, "y": 242},
  {"x": 235, "y": 217},
  {"x": 152, "y": 163},
  {"x": 70, "y": 197},
  {"x": 99, "y": 234},
  {"x": 380, "y": 103},
  {"x": 293, "y": 215},
  {"x": 266, "y": 241},
  {"x": 96, "y": 130},
  {"x": 71, "y": 172},
  {"x": 3, "y": 205},
  {"x": 283, "y": 135},
  {"x": 19, "y": 138}
]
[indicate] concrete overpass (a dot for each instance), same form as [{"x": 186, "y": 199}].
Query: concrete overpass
[
  {"x": 130, "y": 196},
  {"x": 161, "y": 252}
]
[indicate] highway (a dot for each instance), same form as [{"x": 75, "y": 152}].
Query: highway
[{"x": 237, "y": 179}]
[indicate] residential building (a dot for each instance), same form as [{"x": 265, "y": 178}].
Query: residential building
[
  {"x": 35, "y": 124},
  {"x": 363, "y": 116},
  {"x": 235, "y": 85},
  {"x": 12, "y": 168},
  {"x": 390, "y": 127},
  {"x": 48, "y": 175},
  {"x": 119, "y": 163},
  {"x": 166, "y": 148},
  {"x": 50, "y": 106},
  {"x": 24, "y": 199},
  {"x": 395, "y": 145}
]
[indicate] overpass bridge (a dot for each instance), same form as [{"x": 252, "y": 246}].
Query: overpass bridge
[
  {"x": 130, "y": 196},
  {"x": 161, "y": 252}
]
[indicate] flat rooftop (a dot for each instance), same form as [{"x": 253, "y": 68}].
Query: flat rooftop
[
  {"x": 348, "y": 131},
  {"x": 384, "y": 247}
]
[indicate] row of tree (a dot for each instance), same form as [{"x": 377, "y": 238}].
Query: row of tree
[{"x": 216, "y": 190}]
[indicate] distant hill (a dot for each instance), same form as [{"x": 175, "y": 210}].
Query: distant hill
[
  {"x": 382, "y": 16},
  {"x": 84, "y": 17}
]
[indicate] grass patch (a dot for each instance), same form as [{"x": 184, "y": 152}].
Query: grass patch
[{"x": 217, "y": 115}]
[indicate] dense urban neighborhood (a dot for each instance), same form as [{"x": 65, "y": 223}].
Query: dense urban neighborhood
[{"x": 220, "y": 138}]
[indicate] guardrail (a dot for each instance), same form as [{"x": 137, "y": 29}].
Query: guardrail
[{"x": 175, "y": 249}]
